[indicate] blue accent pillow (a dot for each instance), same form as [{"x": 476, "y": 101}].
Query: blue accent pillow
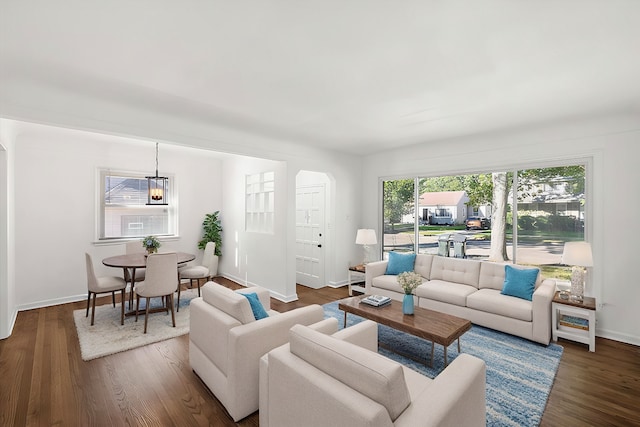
[
  {"x": 519, "y": 282},
  {"x": 399, "y": 263},
  {"x": 256, "y": 306}
]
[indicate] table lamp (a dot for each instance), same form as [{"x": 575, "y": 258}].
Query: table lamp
[
  {"x": 366, "y": 237},
  {"x": 578, "y": 255}
]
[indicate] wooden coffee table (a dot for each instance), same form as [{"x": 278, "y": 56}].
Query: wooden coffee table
[{"x": 431, "y": 325}]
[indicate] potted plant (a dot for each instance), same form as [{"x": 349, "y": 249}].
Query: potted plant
[
  {"x": 151, "y": 244},
  {"x": 212, "y": 229}
]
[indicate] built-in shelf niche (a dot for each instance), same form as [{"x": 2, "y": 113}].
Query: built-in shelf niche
[{"x": 259, "y": 216}]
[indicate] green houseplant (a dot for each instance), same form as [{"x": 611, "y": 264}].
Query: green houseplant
[
  {"x": 212, "y": 228},
  {"x": 151, "y": 244}
]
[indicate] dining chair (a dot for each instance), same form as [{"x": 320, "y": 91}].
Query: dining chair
[
  {"x": 102, "y": 285},
  {"x": 199, "y": 272},
  {"x": 160, "y": 281},
  {"x": 134, "y": 247}
]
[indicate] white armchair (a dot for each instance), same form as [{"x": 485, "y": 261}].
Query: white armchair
[
  {"x": 328, "y": 380},
  {"x": 226, "y": 342}
]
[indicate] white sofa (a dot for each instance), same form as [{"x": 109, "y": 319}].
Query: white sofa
[
  {"x": 320, "y": 380},
  {"x": 226, "y": 342},
  {"x": 471, "y": 289}
]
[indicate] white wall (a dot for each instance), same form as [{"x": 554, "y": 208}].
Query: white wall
[
  {"x": 253, "y": 258},
  {"x": 55, "y": 203},
  {"x": 609, "y": 144},
  {"x": 8, "y": 309},
  {"x": 268, "y": 260}
]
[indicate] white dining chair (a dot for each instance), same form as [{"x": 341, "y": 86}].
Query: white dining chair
[
  {"x": 102, "y": 285},
  {"x": 160, "y": 281},
  {"x": 205, "y": 271}
]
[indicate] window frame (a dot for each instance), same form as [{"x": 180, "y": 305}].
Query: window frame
[
  {"x": 100, "y": 217},
  {"x": 586, "y": 160}
]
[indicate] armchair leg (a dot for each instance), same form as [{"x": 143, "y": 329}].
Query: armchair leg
[
  {"x": 113, "y": 298},
  {"x": 137, "y": 306}
]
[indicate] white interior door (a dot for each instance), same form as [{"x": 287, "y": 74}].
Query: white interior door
[{"x": 310, "y": 226}]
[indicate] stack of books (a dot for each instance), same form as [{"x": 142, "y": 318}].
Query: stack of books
[
  {"x": 376, "y": 300},
  {"x": 574, "y": 322}
]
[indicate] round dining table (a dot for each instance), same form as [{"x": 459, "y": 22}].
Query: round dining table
[{"x": 139, "y": 260}]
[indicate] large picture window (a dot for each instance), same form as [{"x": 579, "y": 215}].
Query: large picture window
[
  {"x": 523, "y": 215},
  {"x": 124, "y": 213}
]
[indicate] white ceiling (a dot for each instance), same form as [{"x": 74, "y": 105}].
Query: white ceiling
[{"x": 343, "y": 75}]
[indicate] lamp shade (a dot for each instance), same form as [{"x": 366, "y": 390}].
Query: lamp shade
[
  {"x": 366, "y": 236},
  {"x": 577, "y": 253}
]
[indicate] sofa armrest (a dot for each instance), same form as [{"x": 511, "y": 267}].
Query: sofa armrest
[
  {"x": 373, "y": 269},
  {"x": 542, "y": 298},
  {"x": 456, "y": 397},
  {"x": 363, "y": 334}
]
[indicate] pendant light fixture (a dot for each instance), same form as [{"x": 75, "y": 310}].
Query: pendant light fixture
[{"x": 157, "y": 187}]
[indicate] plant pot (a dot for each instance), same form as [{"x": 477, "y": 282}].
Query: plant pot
[{"x": 407, "y": 304}]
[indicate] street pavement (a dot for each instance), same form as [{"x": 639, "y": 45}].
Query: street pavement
[{"x": 550, "y": 253}]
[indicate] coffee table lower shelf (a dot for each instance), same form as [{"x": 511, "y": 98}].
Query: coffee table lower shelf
[{"x": 439, "y": 328}]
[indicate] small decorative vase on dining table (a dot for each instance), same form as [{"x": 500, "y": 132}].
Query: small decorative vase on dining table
[
  {"x": 407, "y": 304},
  {"x": 151, "y": 251}
]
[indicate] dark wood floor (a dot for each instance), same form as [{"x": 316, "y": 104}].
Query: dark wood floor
[{"x": 45, "y": 382}]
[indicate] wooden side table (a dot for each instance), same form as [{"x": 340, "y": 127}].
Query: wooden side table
[
  {"x": 357, "y": 270},
  {"x": 574, "y": 320}
]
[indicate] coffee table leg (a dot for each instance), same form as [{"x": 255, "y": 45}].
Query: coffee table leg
[
  {"x": 433, "y": 347},
  {"x": 458, "y": 345},
  {"x": 344, "y": 323},
  {"x": 445, "y": 356}
]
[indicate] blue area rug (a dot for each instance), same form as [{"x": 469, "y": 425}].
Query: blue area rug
[{"x": 520, "y": 373}]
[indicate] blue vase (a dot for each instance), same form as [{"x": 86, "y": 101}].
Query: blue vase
[{"x": 407, "y": 304}]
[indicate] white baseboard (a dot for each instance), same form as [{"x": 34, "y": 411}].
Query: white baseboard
[
  {"x": 617, "y": 336},
  {"x": 339, "y": 284},
  {"x": 12, "y": 323},
  {"x": 50, "y": 302},
  {"x": 276, "y": 295}
]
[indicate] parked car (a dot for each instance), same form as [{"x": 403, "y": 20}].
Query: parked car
[{"x": 478, "y": 223}]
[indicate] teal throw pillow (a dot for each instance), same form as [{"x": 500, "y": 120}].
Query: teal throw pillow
[
  {"x": 399, "y": 263},
  {"x": 519, "y": 282},
  {"x": 256, "y": 306}
]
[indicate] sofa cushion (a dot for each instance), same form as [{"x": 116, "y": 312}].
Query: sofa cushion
[
  {"x": 422, "y": 265},
  {"x": 256, "y": 306},
  {"x": 399, "y": 262},
  {"x": 520, "y": 282},
  {"x": 369, "y": 373},
  {"x": 457, "y": 270},
  {"x": 228, "y": 301},
  {"x": 449, "y": 292},
  {"x": 492, "y": 301},
  {"x": 387, "y": 282},
  {"x": 491, "y": 275}
]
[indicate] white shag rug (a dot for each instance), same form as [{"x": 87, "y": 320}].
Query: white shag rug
[{"x": 107, "y": 336}]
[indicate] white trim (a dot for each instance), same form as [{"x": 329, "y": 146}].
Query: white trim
[
  {"x": 276, "y": 295},
  {"x": 51, "y": 302}
]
